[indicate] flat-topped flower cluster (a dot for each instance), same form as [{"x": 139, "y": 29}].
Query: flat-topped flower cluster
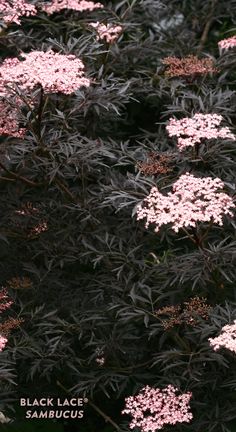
[
  {"x": 228, "y": 43},
  {"x": 154, "y": 408},
  {"x": 188, "y": 66},
  {"x": 192, "y": 131},
  {"x": 193, "y": 200},
  {"x": 12, "y": 11},
  {"x": 76, "y": 5},
  {"x": 56, "y": 73},
  {"x": 227, "y": 338}
]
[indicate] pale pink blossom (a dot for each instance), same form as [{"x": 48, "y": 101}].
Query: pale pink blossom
[
  {"x": 3, "y": 342},
  {"x": 100, "y": 361},
  {"x": 5, "y": 303},
  {"x": 108, "y": 32},
  {"x": 77, "y": 5},
  {"x": 191, "y": 131},
  {"x": 227, "y": 338},
  {"x": 12, "y": 10},
  {"x": 193, "y": 200},
  {"x": 152, "y": 409},
  {"x": 100, "y": 358},
  {"x": 56, "y": 73},
  {"x": 9, "y": 121},
  {"x": 225, "y": 44}
]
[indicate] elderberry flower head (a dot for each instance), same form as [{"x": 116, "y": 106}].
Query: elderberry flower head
[
  {"x": 5, "y": 303},
  {"x": 191, "y": 131},
  {"x": 152, "y": 408},
  {"x": 193, "y": 200},
  {"x": 108, "y": 32},
  {"x": 77, "y": 5},
  {"x": 56, "y": 73},
  {"x": 225, "y": 44},
  {"x": 3, "y": 342},
  {"x": 227, "y": 338},
  {"x": 188, "y": 66},
  {"x": 11, "y": 11}
]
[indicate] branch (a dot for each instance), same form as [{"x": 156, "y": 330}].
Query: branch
[
  {"x": 96, "y": 408},
  {"x": 207, "y": 27},
  {"x": 102, "y": 414},
  {"x": 65, "y": 189},
  {"x": 19, "y": 177}
]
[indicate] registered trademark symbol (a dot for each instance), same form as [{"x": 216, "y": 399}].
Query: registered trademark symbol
[{"x": 85, "y": 400}]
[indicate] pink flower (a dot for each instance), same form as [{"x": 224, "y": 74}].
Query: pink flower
[
  {"x": 225, "y": 44},
  {"x": 77, "y": 5},
  {"x": 193, "y": 200},
  {"x": 11, "y": 11},
  {"x": 191, "y": 131},
  {"x": 100, "y": 361},
  {"x": 56, "y": 73},
  {"x": 108, "y": 32},
  {"x": 152, "y": 409},
  {"x": 3, "y": 342},
  {"x": 9, "y": 122},
  {"x": 5, "y": 303},
  {"x": 227, "y": 338}
]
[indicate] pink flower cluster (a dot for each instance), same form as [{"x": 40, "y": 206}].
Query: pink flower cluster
[
  {"x": 152, "y": 409},
  {"x": 225, "y": 44},
  {"x": 5, "y": 303},
  {"x": 56, "y": 73},
  {"x": 3, "y": 342},
  {"x": 191, "y": 131},
  {"x": 108, "y": 32},
  {"x": 12, "y": 10},
  {"x": 193, "y": 200},
  {"x": 227, "y": 338},
  {"x": 77, "y": 5},
  {"x": 9, "y": 122}
]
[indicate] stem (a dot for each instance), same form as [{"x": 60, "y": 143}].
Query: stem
[
  {"x": 207, "y": 27},
  {"x": 65, "y": 189},
  {"x": 206, "y": 232},
  {"x": 194, "y": 240},
  {"x": 181, "y": 342},
  {"x": 19, "y": 177},
  {"x": 96, "y": 408},
  {"x": 40, "y": 114},
  {"x": 102, "y": 414}
]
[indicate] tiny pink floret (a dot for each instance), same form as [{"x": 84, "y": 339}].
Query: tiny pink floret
[{"x": 152, "y": 409}]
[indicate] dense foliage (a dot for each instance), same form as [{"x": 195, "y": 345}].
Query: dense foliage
[{"x": 109, "y": 306}]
